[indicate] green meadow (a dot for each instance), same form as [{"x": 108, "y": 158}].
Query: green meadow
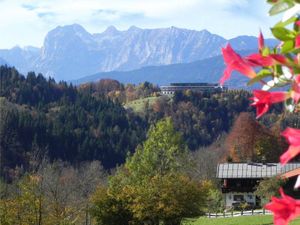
[
  {"x": 242, "y": 220},
  {"x": 139, "y": 104}
]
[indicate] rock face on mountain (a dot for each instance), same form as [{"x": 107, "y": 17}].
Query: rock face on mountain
[
  {"x": 70, "y": 52},
  {"x": 137, "y": 47}
]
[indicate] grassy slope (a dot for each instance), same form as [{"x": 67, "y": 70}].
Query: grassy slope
[
  {"x": 243, "y": 220},
  {"x": 138, "y": 105}
]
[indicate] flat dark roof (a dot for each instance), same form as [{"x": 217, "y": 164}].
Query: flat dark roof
[{"x": 194, "y": 84}]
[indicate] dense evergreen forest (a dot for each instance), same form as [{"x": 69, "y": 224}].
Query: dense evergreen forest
[{"x": 41, "y": 117}]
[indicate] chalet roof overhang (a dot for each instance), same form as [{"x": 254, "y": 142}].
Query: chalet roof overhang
[{"x": 254, "y": 170}]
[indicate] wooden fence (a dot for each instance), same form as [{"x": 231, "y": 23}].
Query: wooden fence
[{"x": 239, "y": 213}]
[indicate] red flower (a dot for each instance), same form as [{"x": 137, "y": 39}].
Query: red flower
[
  {"x": 295, "y": 93},
  {"x": 259, "y": 60},
  {"x": 261, "y": 42},
  {"x": 297, "y": 41},
  {"x": 262, "y": 100},
  {"x": 289, "y": 154},
  {"x": 284, "y": 209},
  {"x": 292, "y": 135},
  {"x": 235, "y": 62},
  {"x": 264, "y": 61},
  {"x": 279, "y": 58}
]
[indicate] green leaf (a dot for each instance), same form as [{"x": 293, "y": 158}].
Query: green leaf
[
  {"x": 260, "y": 75},
  {"x": 281, "y": 6},
  {"x": 283, "y": 34},
  {"x": 296, "y": 51},
  {"x": 287, "y": 46},
  {"x": 266, "y": 51},
  {"x": 296, "y": 70},
  {"x": 287, "y": 22},
  {"x": 278, "y": 69}
]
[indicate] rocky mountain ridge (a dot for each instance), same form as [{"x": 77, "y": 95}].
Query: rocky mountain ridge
[{"x": 70, "y": 52}]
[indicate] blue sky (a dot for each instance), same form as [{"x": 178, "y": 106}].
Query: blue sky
[{"x": 26, "y": 22}]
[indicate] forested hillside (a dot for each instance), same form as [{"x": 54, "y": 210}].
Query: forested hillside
[
  {"x": 44, "y": 118},
  {"x": 201, "y": 117},
  {"x": 41, "y": 117}
]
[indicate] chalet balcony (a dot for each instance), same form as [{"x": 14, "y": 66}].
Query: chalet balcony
[{"x": 237, "y": 189}]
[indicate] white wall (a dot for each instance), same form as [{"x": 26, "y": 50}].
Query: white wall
[{"x": 230, "y": 198}]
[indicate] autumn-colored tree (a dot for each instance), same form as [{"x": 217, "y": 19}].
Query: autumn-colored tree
[
  {"x": 108, "y": 85},
  {"x": 160, "y": 104},
  {"x": 165, "y": 199},
  {"x": 55, "y": 193},
  {"x": 242, "y": 137},
  {"x": 248, "y": 140},
  {"x": 108, "y": 209},
  {"x": 24, "y": 204}
]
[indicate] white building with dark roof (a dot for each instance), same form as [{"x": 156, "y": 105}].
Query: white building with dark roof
[
  {"x": 239, "y": 180},
  {"x": 195, "y": 87}
]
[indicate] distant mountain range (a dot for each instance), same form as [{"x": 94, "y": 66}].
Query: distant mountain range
[
  {"x": 22, "y": 58},
  {"x": 71, "y": 53},
  {"x": 206, "y": 70}
]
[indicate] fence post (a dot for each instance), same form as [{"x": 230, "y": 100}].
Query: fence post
[
  {"x": 224, "y": 214},
  {"x": 241, "y": 212},
  {"x": 264, "y": 211},
  {"x": 252, "y": 212},
  {"x": 231, "y": 213},
  {"x": 208, "y": 214}
]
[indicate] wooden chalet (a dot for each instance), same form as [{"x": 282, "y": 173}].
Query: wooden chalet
[{"x": 239, "y": 180}]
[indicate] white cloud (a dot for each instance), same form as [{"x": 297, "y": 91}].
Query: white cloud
[{"x": 27, "y": 21}]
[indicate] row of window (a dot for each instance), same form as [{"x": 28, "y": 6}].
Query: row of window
[{"x": 240, "y": 198}]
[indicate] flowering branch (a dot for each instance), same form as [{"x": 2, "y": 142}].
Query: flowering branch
[{"x": 278, "y": 67}]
